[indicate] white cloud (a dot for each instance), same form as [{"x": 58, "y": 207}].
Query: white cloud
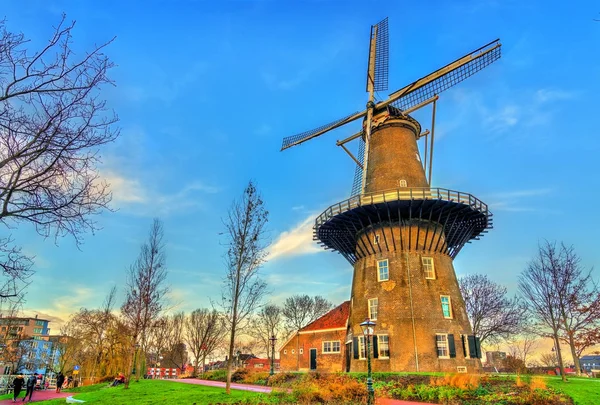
[
  {"x": 295, "y": 242},
  {"x": 125, "y": 190},
  {"x": 130, "y": 193},
  {"x": 502, "y": 119},
  {"x": 549, "y": 95},
  {"x": 512, "y": 201}
]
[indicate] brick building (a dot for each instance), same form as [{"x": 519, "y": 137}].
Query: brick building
[
  {"x": 261, "y": 364},
  {"x": 320, "y": 345}
]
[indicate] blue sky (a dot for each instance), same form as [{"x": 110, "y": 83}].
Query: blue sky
[{"x": 206, "y": 90}]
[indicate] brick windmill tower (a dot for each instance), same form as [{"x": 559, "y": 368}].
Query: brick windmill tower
[{"x": 400, "y": 234}]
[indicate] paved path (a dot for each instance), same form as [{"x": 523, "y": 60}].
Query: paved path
[
  {"x": 38, "y": 396},
  {"x": 260, "y": 388}
]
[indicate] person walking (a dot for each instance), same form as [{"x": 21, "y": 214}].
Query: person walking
[
  {"x": 30, "y": 387},
  {"x": 17, "y": 385},
  {"x": 60, "y": 379}
]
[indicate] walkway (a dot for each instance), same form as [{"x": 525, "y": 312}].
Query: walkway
[
  {"x": 259, "y": 388},
  {"x": 38, "y": 396}
]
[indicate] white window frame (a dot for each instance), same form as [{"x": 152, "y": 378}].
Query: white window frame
[
  {"x": 369, "y": 306},
  {"x": 442, "y": 344},
  {"x": 451, "y": 315},
  {"x": 428, "y": 268},
  {"x": 362, "y": 348},
  {"x": 293, "y": 351},
  {"x": 284, "y": 351},
  {"x": 402, "y": 183},
  {"x": 387, "y": 343},
  {"x": 381, "y": 264},
  {"x": 328, "y": 347},
  {"x": 301, "y": 351}
]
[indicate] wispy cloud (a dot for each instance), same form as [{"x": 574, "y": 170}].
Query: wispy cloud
[
  {"x": 512, "y": 201},
  {"x": 533, "y": 108},
  {"x": 130, "y": 193},
  {"x": 297, "y": 241},
  {"x": 550, "y": 95}
]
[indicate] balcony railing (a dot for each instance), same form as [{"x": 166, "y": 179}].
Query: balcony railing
[{"x": 401, "y": 194}]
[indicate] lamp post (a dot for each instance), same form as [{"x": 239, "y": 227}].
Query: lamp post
[
  {"x": 237, "y": 362},
  {"x": 272, "y": 339},
  {"x": 367, "y": 327}
]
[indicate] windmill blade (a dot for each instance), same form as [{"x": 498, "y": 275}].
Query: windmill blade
[
  {"x": 444, "y": 78},
  {"x": 358, "y": 172},
  {"x": 297, "y": 139},
  {"x": 382, "y": 56}
]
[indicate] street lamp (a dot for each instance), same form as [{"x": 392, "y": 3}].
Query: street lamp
[
  {"x": 272, "y": 339},
  {"x": 367, "y": 327}
]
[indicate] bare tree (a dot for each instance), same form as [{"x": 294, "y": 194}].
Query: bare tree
[
  {"x": 267, "y": 324},
  {"x": 538, "y": 288},
  {"x": 243, "y": 290},
  {"x": 157, "y": 342},
  {"x": 204, "y": 332},
  {"x": 586, "y": 338},
  {"x": 492, "y": 314},
  {"x": 548, "y": 359},
  {"x": 522, "y": 347},
  {"x": 52, "y": 124},
  {"x": 578, "y": 296},
  {"x": 146, "y": 290},
  {"x": 300, "y": 310},
  {"x": 176, "y": 350}
]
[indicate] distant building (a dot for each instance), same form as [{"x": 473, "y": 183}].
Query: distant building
[
  {"x": 27, "y": 347},
  {"x": 261, "y": 364},
  {"x": 589, "y": 363},
  {"x": 320, "y": 345},
  {"x": 495, "y": 359}
]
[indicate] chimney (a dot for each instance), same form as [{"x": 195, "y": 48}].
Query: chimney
[{"x": 36, "y": 316}]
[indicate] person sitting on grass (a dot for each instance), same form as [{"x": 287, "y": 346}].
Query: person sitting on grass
[{"x": 120, "y": 379}]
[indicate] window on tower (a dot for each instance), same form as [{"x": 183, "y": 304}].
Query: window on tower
[
  {"x": 373, "y": 308},
  {"x": 402, "y": 183},
  {"x": 383, "y": 346},
  {"x": 446, "y": 306},
  {"x": 428, "y": 267},
  {"x": 441, "y": 341},
  {"x": 383, "y": 270}
]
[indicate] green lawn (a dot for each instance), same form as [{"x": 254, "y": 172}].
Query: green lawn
[
  {"x": 584, "y": 391},
  {"x": 146, "y": 392}
]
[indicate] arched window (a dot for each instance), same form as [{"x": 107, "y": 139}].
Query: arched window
[{"x": 402, "y": 183}]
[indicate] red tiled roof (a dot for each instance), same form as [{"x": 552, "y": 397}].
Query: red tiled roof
[{"x": 336, "y": 318}]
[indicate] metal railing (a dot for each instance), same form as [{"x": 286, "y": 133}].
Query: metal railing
[{"x": 398, "y": 194}]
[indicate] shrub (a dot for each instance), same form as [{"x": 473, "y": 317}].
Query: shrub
[
  {"x": 537, "y": 383},
  {"x": 282, "y": 379},
  {"x": 216, "y": 375},
  {"x": 239, "y": 375},
  {"x": 462, "y": 381}
]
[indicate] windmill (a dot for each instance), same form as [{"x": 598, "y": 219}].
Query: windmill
[
  {"x": 400, "y": 234},
  {"x": 406, "y": 100}
]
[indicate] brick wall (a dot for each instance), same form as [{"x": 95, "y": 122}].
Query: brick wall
[{"x": 295, "y": 355}]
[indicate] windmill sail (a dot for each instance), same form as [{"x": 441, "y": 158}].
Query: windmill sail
[
  {"x": 446, "y": 77},
  {"x": 358, "y": 172},
  {"x": 297, "y": 139},
  {"x": 382, "y": 56}
]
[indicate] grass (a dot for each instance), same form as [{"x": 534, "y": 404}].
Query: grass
[
  {"x": 147, "y": 392},
  {"x": 584, "y": 391}
]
